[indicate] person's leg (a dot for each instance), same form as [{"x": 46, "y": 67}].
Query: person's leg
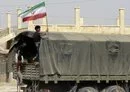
[{"x": 20, "y": 77}]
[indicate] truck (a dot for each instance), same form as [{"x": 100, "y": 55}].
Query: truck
[{"x": 73, "y": 62}]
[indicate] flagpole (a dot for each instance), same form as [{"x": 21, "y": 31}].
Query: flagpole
[{"x": 47, "y": 30}]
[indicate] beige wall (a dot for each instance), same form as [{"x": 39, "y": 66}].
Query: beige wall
[
  {"x": 79, "y": 26},
  {"x": 118, "y": 28},
  {"x": 86, "y": 29}
]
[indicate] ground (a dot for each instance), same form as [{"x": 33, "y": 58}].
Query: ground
[{"x": 8, "y": 87}]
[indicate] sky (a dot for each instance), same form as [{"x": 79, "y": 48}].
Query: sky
[{"x": 94, "y": 12}]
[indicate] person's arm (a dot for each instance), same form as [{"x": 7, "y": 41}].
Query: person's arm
[{"x": 22, "y": 59}]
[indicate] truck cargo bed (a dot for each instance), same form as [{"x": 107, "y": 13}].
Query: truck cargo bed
[{"x": 32, "y": 72}]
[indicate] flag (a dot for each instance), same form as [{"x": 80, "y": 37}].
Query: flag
[{"x": 35, "y": 12}]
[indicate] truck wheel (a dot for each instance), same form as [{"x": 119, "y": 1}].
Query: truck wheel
[
  {"x": 114, "y": 89},
  {"x": 87, "y": 89}
]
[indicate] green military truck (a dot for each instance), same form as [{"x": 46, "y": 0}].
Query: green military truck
[{"x": 74, "y": 62}]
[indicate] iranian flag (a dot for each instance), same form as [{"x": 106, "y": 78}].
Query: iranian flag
[{"x": 35, "y": 12}]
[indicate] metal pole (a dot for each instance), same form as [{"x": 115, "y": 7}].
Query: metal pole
[{"x": 47, "y": 30}]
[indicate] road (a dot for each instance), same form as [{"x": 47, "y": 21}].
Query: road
[{"x": 8, "y": 87}]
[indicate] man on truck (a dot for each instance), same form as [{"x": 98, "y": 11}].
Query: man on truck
[{"x": 37, "y": 39}]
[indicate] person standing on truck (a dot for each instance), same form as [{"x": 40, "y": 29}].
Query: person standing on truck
[
  {"x": 37, "y": 39},
  {"x": 36, "y": 35}
]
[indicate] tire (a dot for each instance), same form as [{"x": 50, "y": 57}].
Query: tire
[
  {"x": 114, "y": 89},
  {"x": 87, "y": 89}
]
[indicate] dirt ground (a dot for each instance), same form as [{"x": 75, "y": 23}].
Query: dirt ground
[{"x": 8, "y": 87}]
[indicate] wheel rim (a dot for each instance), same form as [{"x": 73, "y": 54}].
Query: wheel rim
[
  {"x": 87, "y": 89},
  {"x": 114, "y": 89}
]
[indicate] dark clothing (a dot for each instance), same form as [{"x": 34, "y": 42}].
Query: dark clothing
[{"x": 37, "y": 37}]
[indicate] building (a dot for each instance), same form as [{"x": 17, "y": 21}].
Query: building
[{"x": 79, "y": 26}]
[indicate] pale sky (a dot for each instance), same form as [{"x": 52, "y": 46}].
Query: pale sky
[{"x": 94, "y": 12}]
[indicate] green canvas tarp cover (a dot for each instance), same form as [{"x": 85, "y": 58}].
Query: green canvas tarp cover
[{"x": 84, "y": 54}]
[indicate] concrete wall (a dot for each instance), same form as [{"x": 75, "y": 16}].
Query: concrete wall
[
  {"x": 97, "y": 29},
  {"x": 79, "y": 26}
]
